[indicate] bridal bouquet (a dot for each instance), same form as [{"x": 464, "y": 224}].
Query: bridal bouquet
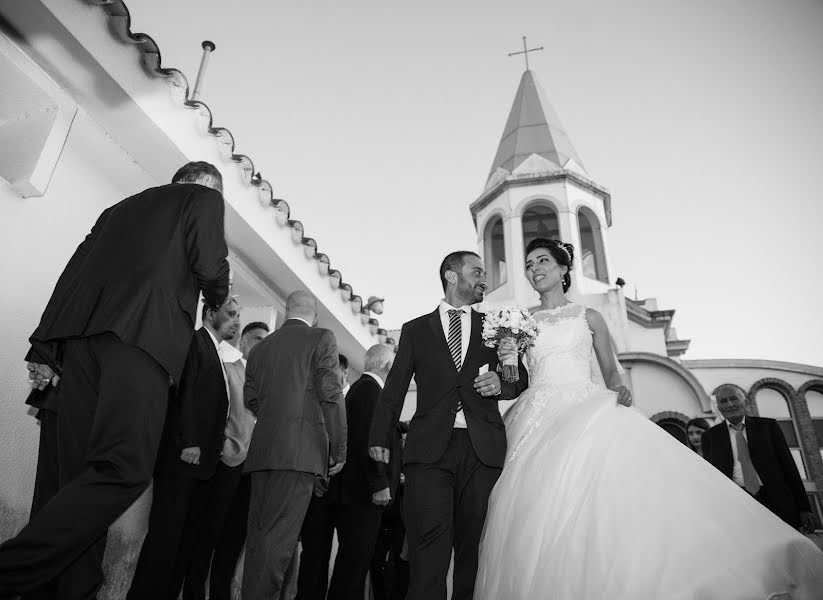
[{"x": 512, "y": 323}]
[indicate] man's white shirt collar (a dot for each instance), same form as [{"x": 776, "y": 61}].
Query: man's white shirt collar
[
  {"x": 445, "y": 307},
  {"x": 377, "y": 378},
  {"x": 731, "y": 426},
  {"x": 299, "y": 319}
]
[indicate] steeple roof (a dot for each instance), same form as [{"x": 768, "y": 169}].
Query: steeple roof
[{"x": 533, "y": 128}]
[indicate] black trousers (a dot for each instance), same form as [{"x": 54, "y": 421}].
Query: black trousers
[
  {"x": 46, "y": 484},
  {"x": 203, "y": 531},
  {"x": 357, "y": 525},
  {"x": 279, "y": 500},
  {"x": 390, "y": 572},
  {"x": 177, "y": 506},
  {"x": 446, "y": 503},
  {"x": 231, "y": 542},
  {"x": 114, "y": 400}
]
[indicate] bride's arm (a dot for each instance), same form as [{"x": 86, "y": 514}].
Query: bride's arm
[{"x": 605, "y": 356}]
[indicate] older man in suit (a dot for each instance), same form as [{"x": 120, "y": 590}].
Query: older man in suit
[
  {"x": 293, "y": 388},
  {"x": 188, "y": 460},
  {"x": 752, "y": 452},
  {"x": 116, "y": 328}
]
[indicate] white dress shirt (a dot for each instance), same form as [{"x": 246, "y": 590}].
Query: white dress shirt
[
  {"x": 737, "y": 469},
  {"x": 465, "y": 334}
]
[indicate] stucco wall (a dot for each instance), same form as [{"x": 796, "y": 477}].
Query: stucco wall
[
  {"x": 39, "y": 236},
  {"x": 657, "y": 389}
]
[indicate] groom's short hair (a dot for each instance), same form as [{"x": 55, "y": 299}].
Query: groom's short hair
[{"x": 454, "y": 262}]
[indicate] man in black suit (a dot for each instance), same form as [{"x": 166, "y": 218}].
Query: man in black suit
[
  {"x": 456, "y": 442},
  {"x": 223, "y": 534},
  {"x": 354, "y": 501},
  {"x": 188, "y": 460},
  {"x": 293, "y": 388},
  {"x": 116, "y": 328},
  {"x": 752, "y": 452}
]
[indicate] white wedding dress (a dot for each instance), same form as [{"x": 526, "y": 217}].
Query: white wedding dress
[{"x": 597, "y": 502}]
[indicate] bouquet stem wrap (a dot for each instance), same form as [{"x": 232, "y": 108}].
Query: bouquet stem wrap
[
  {"x": 515, "y": 325},
  {"x": 510, "y": 371}
]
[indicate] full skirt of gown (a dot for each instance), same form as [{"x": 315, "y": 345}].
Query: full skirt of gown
[{"x": 597, "y": 502}]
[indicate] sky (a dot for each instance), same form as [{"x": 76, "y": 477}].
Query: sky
[{"x": 378, "y": 123}]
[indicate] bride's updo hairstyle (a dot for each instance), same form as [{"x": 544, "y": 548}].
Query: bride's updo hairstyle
[{"x": 562, "y": 253}]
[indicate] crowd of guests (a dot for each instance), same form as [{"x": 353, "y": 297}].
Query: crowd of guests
[
  {"x": 247, "y": 454},
  {"x": 752, "y": 451}
]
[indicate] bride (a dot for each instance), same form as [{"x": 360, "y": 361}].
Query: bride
[{"x": 595, "y": 501}]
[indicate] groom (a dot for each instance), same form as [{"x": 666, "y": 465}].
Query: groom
[{"x": 456, "y": 442}]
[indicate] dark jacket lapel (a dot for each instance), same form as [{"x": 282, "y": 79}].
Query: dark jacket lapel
[
  {"x": 724, "y": 448},
  {"x": 440, "y": 339},
  {"x": 474, "y": 337}
]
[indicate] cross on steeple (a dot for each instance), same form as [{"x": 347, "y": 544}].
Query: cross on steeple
[{"x": 525, "y": 52}]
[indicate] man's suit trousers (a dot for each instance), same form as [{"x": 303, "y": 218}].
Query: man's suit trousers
[{"x": 113, "y": 404}]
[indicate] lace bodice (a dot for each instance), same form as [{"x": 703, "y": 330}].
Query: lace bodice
[
  {"x": 561, "y": 372},
  {"x": 561, "y": 355}
]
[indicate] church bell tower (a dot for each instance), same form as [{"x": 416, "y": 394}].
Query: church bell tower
[{"x": 538, "y": 187}]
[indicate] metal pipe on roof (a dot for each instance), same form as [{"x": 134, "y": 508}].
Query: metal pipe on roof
[{"x": 208, "y": 48}]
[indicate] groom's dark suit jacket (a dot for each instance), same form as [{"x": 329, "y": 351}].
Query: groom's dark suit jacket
[
  {"x": 782, "y": 492},
  {"x": 424, "y": 354},
  {"x": 138, "y": 275}
]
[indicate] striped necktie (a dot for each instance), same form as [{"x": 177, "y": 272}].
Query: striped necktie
[
  {"x": 455, "y": 337},
  {"x": 750, "y": 481}
]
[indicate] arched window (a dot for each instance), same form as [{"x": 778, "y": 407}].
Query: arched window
[
  {"x": 675, "y": 427},
  {"x": 773, "y": 405},
  {"x": 540, "y": 222},
  {"x": 494, "y": 251},
  {"x": 592, "y": 255},
  {"x": 814, "y": 399}
]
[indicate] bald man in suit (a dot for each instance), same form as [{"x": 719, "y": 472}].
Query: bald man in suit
[{"x": 293, "y": 388}]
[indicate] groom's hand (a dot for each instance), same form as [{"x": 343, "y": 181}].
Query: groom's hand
[
  {"x": 379, "y": 454},
  {"x": 488, "y": 384}
]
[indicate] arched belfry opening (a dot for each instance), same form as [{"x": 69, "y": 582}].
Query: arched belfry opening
[
  {"x": 591, "y": 252},
  {"x": 540, "y": 221},
  {"x": 494, "y": 253}
]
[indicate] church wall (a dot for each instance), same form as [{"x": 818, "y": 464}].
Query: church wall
[
  {"x": 644, "y": 339},
  {"x": 40, "y": 234},
  {"x": 744, "y": 376},
  {"x": 656, "y": 389}
]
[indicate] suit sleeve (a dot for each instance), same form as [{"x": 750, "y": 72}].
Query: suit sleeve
[
  {"x": 187, "y": 397},
  {"x": 250, "y": 399},
  {"x": 375, "y": 471},
  {"x": 788, "y": 467},
  {"x": 511, "y": 390},
  {"x": 390, "y": 404},
  {"x": 706, "y": 446},
  {"x": 330, "y": 395},
  {"x": 206, "y": 244}
]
